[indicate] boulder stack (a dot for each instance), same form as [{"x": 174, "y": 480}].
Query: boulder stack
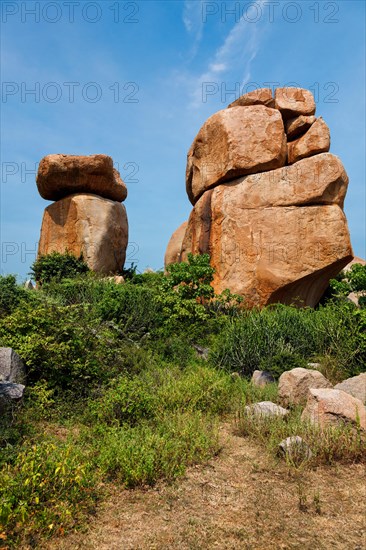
[
  {"x": 267, "y": 200},
  {"x": 87, "y": 218}
]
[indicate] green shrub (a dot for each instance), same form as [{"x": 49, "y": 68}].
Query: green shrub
[
  {"x": 128, "y": 400},
  {"x": 48, "y": 489},
  {"x": 328, "y": 445},
  {"x": 143, "y": 454},
  {"x": 57, "y": 266},
  {"x": 11, "y": 294},
  {"x": 69, "y": 347},
  {"x": 353, "y": 280}
]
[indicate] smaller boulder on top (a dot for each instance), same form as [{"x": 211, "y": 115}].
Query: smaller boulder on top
[{"x": 62, "y": 175}]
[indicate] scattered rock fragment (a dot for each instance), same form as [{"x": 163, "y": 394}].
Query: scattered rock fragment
[{"x": 295, "y": 449}]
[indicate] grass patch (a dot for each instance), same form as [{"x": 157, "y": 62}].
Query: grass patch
[{"x": 342, "y": 443}]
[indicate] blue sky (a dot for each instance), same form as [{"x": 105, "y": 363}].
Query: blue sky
[{"x": 136, "y": 80}]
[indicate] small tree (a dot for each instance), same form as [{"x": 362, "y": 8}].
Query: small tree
[
  {"x": 192, "y": 279},
  {"x": 56, "y": 266}
]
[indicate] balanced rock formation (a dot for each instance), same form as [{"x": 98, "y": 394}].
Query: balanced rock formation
[
  {"x": 268, "y": 199},
  {"x": 87, "y": 219}
]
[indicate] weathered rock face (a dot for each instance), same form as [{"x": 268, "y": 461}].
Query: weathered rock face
[
  {"x": 232, "y": 143},
  {"x": 276, "y": 233},
  {"x": 261, "y": 96},
  {"x": 10, "y": 393},
  {"x": 355, "y": 386},
  {"x": 174, "y": 248},
  {"x": 12, "y": 368},
  {"x": 294, "y": 385},
  {"x": 87, "y": 225},
  {"x": 274, "y": 246},
  {"x": 316, "y": 140},
  {"x": 327, "y": 407},
  {"x": 293, "y": 102},
  {"x": 62, "y": 175}
]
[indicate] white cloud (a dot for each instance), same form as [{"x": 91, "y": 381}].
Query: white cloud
[
  {"x": 235, "y": 55},
  {"x": 192, "y": 19}
]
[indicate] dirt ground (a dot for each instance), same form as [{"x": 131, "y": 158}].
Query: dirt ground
[{"x": 241, "y": 499}]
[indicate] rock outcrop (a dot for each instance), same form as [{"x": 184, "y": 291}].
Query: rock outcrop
[
  {"x": 12, "y": 379},
  {"x": 272, "y": 222},
  {"x": 232, "y": 143},
  {"x": 87, "y": 218},
  {"x": 261, "y": 378}
]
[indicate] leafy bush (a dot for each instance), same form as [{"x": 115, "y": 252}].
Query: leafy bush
[
  {"x": 11, "y": 294},
  {"x": 329, "y": 445},
  {"x": 57, "y": 266},
  {"x": 69, "y": 347},
  {"x": 126, "y": 401},
  {"x": 353, "y": 280},
  {"x": 192, "y": 279}
]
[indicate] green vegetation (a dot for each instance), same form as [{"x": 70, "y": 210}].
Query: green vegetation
[
  {"x": 117, "y": 392},
  {"x": 57, "y": 266}
]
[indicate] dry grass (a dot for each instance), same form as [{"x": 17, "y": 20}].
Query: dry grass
[{"x": 242, "y": 499}]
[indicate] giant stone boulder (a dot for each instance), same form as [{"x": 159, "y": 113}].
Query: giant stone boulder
[
  {"x": 268, "y": 199},
  {"x": 232, "y": 143},
  {"x": 62, "y": 175},
  {"x": 87, "y": 225}
]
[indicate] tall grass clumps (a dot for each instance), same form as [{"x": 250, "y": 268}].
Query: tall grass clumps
[
  {"x": 278, "y": 338},
  {"x": 342, "y": 443}
]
